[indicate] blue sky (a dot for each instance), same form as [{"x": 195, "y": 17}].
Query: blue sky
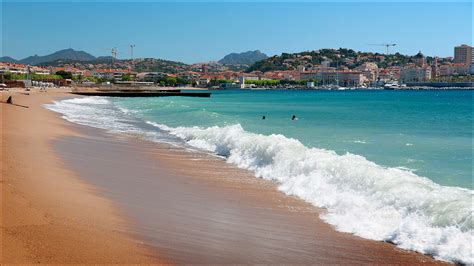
[{"x": 201, "y": 31}]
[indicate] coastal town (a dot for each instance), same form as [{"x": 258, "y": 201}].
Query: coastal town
[
  {"x": 237, "y": 132},
  {"x": 320, "y": 69}
]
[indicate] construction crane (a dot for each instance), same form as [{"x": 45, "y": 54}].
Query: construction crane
[{"x": 387, "y": 45}]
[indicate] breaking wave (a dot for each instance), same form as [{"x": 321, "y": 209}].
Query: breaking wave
[{"x": 361, "y": 197}]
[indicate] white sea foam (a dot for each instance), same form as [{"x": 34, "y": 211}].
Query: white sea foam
[
  {"x": 90, "y": 111},
  {"x": 85, "y": 100},
  {"x": 100, "y": 112},
  {"x": 361, "y": 197}
]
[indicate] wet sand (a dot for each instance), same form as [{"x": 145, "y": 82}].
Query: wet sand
[
  {"x": 196, "y": 208},
  {"x": 49, "y": 214},
  {"x": 185, "y": 207}
]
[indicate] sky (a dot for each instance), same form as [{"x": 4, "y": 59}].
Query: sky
[{"x": 197, "y": 31}]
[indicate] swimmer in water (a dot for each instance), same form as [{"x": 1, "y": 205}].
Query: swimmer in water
[
  {"x": 263, "y": 117},
  {"x": 294, "y": 117}
]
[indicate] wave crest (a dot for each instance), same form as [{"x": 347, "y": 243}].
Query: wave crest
[{"x": 361, "y": 197}]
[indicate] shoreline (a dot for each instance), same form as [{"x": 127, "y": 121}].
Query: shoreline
[
  {"x": 49, "y": 214},
  {"x": 215, "y": 217}
]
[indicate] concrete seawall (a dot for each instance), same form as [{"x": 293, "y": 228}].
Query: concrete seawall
[{"x": 441, "y": 84}]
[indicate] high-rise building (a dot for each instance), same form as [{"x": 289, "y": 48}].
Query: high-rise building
[{"x": 463, "y": 54}]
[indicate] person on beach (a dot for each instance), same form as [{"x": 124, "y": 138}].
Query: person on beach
[{"x": 9, "y": 100}]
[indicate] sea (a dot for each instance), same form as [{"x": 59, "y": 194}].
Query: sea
[{"x": 394, "y": 166}]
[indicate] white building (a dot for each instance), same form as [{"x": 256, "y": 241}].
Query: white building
[
  {"x": 243, "y": 78},
  {"x": 231, "y": 86},
  {"x": 40, "y": 71},
  {"x": 453, "y": 69},
  {"x": 415, "y": 74},
  {"x": 326, "y": 63},
  {"x": 150, "y": 76},
  {"x": 112, "y": 74},
  {"x": 341, "y": 77},
  {"x": 203, "y": 82},
  {"x": 369, "y": 69},
  {"x": 13, "y": 68}
]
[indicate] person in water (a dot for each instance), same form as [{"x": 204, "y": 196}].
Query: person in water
[
  {"x": 263, "y": 117},
  {"x": 294, "y": 117}
]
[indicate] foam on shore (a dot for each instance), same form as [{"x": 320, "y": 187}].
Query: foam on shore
[{"x": 361, "y": 197}]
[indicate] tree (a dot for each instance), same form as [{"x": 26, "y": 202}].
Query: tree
[
  {"x": 126, "y": 77},
  {"x": 170, "y": 81},
  {"x": 64, "y": 74},
  {"x": 182, "y": 81}
]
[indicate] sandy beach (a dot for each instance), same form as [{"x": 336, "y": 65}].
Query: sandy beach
[
  {"x": 49, "y": 215},
  {"x": 74, "y": 194}
]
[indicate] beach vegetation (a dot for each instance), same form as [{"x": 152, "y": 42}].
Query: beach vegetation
[
  {"x": 181, "y": 81},
  {"x": 64, "y": 74},
  {"x": 264, "y": 82},
  {"x": 18, "y": 76},
  {"x": 14, "y": 76},
  {"x": 127, "y": 77},
  {"x": 45, "y": 77},
  {"x": 167, "y": 81}
]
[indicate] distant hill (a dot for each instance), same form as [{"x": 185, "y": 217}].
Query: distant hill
[
  {"x": 66, "y": 54},
  {"x": 95, "y": 61},
  {"x": 160, "y": 65},
  {"x": 245, "y": 58},
  {"x": 341, "y": 57},
  {"x": 139, "y": 64},
  {"x": 62, "y": 54},
  {"x": 8, "y": 59},
  {"x": 84, "y": 60}
]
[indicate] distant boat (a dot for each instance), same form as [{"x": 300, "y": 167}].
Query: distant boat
[
  {"x": 391, "y": 86},
  {"x": 336, "y": 87}
]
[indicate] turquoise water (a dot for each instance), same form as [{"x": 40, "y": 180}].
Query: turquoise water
[
  {"x": 386, "y": 165},
  {"x": 428, "y": 132}
]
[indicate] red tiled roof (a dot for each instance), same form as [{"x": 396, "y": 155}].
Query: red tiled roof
[{"x": 112, "y": 71}]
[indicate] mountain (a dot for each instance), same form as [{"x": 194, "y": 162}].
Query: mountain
[
  {"x": 245, "y": 58},
  {"x": 8, "y": 59},
  {"x": 62, "y": 54},
  {"x": 66, "y": 54}
]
